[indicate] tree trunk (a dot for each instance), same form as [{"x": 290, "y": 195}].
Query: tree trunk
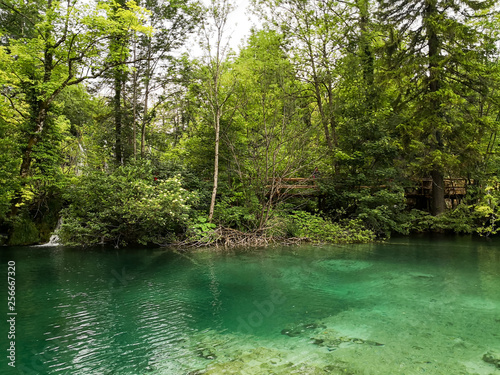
[
  {"x": 118, "y": 117},
  {"x": 26, "y": 160},
  {"x": 146, "y": 98},
  {"x": 40, "y": 108},
  {"x": 33, "y": 140},
  {"x": 438, "y": 205},
  {"x": 367, "y": 58},
  {"x": 216, "y": 165},
  {"x": 134, "y": 104},
  {"x": 144, "y": 122},
  {"x": 323, "y": 115}
]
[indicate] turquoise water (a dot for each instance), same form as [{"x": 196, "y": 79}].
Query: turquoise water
[{"x": 409, "y": 306}]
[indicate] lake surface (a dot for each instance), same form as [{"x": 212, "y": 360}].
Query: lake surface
[{"x": 408, "y": 306}]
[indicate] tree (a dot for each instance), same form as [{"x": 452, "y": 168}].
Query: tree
[
  {"x": 217, "y": 94},
  {"x": 173, "y": 22},
  {"x": 439, "y": 48},
  {"x": 316, "y": 32},
  {"x": 119, "y": 51},
  {"x": 276, "y": 137},
  {"x": 62, "y": 45}
]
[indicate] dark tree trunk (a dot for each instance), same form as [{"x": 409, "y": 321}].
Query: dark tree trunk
[
  {"x": 39, "y": 112},
  {"x": 438, "y": 205},
  {"x": 118, "y": 117},
  {"x": 367, "y": 57}
]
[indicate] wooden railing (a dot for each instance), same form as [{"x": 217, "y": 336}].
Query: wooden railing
[
  {"x": 289, "y": 185},
  {"x": 452, "y": 187}
]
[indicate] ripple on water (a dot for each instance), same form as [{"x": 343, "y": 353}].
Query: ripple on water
[{"x": 171, "y": 315}]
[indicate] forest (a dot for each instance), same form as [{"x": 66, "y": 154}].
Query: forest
[{"x": 322, "y": 127}]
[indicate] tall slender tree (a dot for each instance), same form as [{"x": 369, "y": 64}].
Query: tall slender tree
[
  {"x": 216, "y": 53},
  {"x": 317, "y": 33},
  {"x": 440, "y": 51},
  {"x": 173, "y": 21},
  {"x": 119, "y": 53}
]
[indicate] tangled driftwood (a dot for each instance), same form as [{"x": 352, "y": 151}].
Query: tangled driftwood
[{"x": 229, "y": 238}]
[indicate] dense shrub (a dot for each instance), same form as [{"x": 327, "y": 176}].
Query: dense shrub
[
  {"x": 24, "y": 232},
  {"x": 382, "y": 210},
  {"x": 481, "y": 218},
  {"x": 127, "y": 206},
  {"x": 232, "y": 213},
  {"x": 318, "y": 229}
]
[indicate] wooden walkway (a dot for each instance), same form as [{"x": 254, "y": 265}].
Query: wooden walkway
[
  {"x": 455, "y": 188},
  {"x": 294, "y": 186}
]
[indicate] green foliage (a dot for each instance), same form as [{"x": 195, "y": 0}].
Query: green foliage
[
  {"x": 481, "y": 218},
  {"x": 488, "y": 211},
  {"x": 201, "y": 230},
  {"x": 24, "y": 232},
  {"x": 125, "y": 207},
  {"x": 169, "y": 166},
  {"x": 381, "y": 209},
  {"x": 238, "y": 208},
  {"x": 375, "y": 106},
  {"x": 9, "y": 179},
  {"x": 233, "y": 215},
  {"x": 460, "y": 220},
  {"x": 318, "y": 229}
]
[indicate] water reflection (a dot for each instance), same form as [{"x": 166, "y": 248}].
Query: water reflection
[{"x": 138, "y": 311}]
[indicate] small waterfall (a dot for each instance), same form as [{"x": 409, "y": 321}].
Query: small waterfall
[
  {"x": 80, "y": 161},
  {"x": 54, "y": 238},
  {"x": 53, "y": 241}
]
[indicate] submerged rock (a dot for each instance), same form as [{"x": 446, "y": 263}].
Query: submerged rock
[
  {"x": 332, "y": 340},
  {"x": 328, "y": 338},
  {"x": 205, "y": 353},
  {"x": 302, "y": 328},
  {"x": 459, "y": 343},
  {"x": 419, "y": 275},
  {"x": 493, "y": 358},
  {"x": 241, "y": 359},
  {"x": 290, "y": 332},
  {"x": 317, "y": 341},
  {"x": 197, "y": 372},
  {"x": 372, "y": 343}
]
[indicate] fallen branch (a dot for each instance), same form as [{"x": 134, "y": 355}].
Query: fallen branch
[{"x": 230, "y": 238}]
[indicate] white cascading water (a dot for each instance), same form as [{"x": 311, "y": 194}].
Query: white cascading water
[{"x": 54, "y": 238}]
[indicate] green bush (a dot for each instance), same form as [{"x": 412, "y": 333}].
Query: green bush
[
  {"x": 318, "y": 229},
  {"x": 464, "y": 219},
  {"x": 228, "y": 212},
  {"x": 201, "y": 230},
  {"x": 487, "y": 210},
  {"x": 125, "y": 207},
  {"x": 381, "y": 210},
  {"x": 24, "y": 232},
  {"x": 384, "y": 211}
]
